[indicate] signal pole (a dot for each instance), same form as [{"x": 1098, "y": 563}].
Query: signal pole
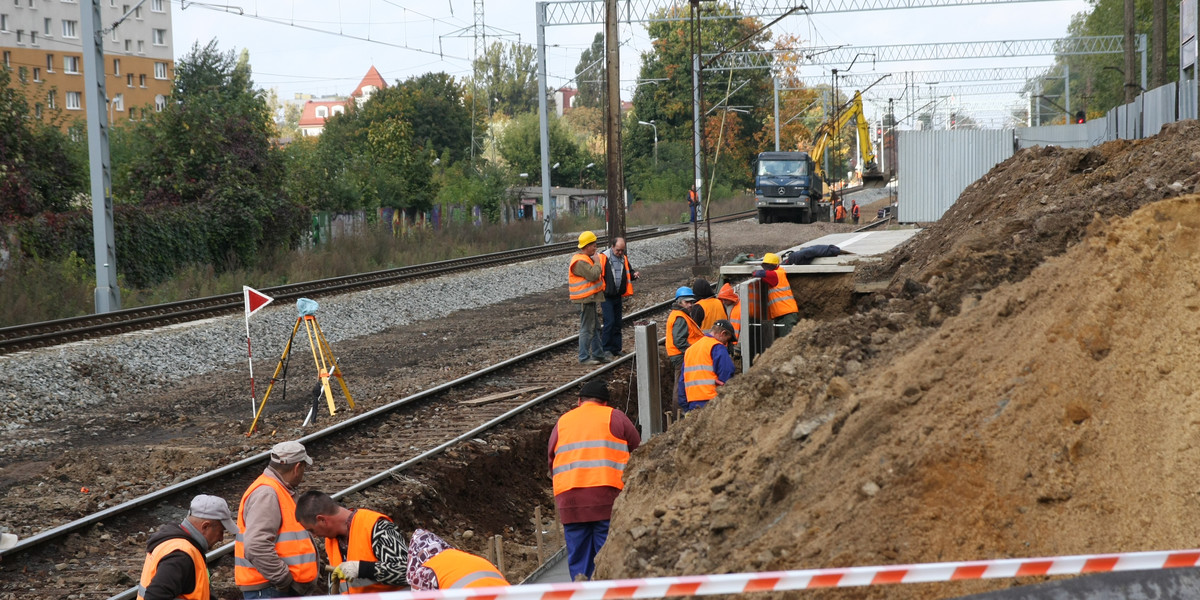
[{"x": 108, "y": 293}]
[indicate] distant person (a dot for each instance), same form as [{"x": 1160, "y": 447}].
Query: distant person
[
  {"x": 435, "y": 565},
  {"x": 682, "y": 330},
  {"x": 839, "y": 213},
  {"x": 693, "y": 203},
  {"x": 707, "y": 365},
  {"x": 588, "y": 450},
  {"x": 175, "y": 565},
  {"x": 618, "y": 278},
  {"x": 586, "y": 286},
  {"x": 366, "y": 551},
  {"x": 275, "y": 557},
  {"x": 781, "y": 304},
  {"x": 854, "y": 211},
  {"x": 713, "y": 309}
]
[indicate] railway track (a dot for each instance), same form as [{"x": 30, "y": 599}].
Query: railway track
[
  {"x": 78, "y": 559},
  {"x": 49, "y": 333}
]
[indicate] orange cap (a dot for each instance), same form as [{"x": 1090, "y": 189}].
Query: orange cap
[{"x": 727, "y": 293}]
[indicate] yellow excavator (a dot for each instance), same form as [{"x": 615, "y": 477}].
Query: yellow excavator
[{"x": 872, "y": 176}]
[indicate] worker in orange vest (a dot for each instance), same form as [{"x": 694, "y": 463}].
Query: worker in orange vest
[
  {"x": 781, "y": 304},
  {"x": 839, "y": 213},
  {"x": 586, "y": 285},
  {"x": 733, "y": 307},
  {"x": 854, "y": 211},
  {"x": 588, "y": 450},
  {"x": 693, "y": 203},
  {"x": 274, "y": 557},
  {"x": 364, "y": 547},
  {"x": 435, "y": 565},
  {"x": 713, "y": 309},
  {"x": 706, "y": 366},
  {"x": 175, "y": 565}
]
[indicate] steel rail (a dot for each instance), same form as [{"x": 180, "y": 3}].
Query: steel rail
[
  {"x": 61, "y": 530},
  {"x": 45, "y": 333}
]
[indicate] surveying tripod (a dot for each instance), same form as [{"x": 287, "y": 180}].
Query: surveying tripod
[{"x": 326, "y": 367}]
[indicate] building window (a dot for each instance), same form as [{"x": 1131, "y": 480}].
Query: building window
[
  {"x": 337, "y": 110},
  {"x": 142, "y": 80},
  {"x": 114, "y": 35},
  {"x": 33, "y": 38},
  {"x": 74, "y": 102},
  {"x": 49, "y": 63},
  {"x": 7, "y": 58},
  {"x": 160, "y": 103},
  {"x": 31, "y": 4},
  {"x": 20, "y": 36},
  {"x": 119, "y": 103},
  {"x": 117, "y": 67},
  {"x": 132, "y": 113},
  {"x": 37, "y": 73},
  {"x": 157, "y": 6},
  {"x": 70, "y": 29},
  {"x": 128, "y": 45},
  {"x": 129, "y": 80},
  {"x": 112, "y": 3},
  {"x": 52, "y": 99},
  {"x": 160, "y": 37},
  {"x": 160, "y": 70},
  {"x": 3, "y": 22},
  {"x": 71, "y": 64},
  {"x": 22, "y": 74},
  {"x": 137, "y": 13},
  {"x": 322, "y": 112},
  {"x": 46, "y": 25},
  {"x": 141, "y": 46},
  {"x": 37, "y": 110}
]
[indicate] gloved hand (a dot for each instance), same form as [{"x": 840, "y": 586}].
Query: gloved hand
[{"x": 347, "y": 570}]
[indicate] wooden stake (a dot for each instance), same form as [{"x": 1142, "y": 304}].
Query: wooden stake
[
  {"x": 501, "y": 396},
  {"x": 537, "y": 533},
  {"x": 499, "y": 553},
  {"x": 490, "y": 552}
]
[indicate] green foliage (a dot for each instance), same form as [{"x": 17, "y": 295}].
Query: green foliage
[
  {"x": 589, "y": 75},
  {"x": 520, "y": 145},
  {"x": 41, "y": 169},
  {"x": 507, "y": 73},
  {"x": 436, "y": 107},
  {"x": 462, "y": 186}
]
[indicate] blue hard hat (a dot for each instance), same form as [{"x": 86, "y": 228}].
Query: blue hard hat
[{"x": 684, "y": 292}]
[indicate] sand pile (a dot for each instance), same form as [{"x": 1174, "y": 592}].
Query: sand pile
[{"x": 1054, "y": 415}]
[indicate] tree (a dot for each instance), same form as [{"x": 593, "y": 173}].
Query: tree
[
  {"x": 507, "y": 73},
  {"x": 589, "y": 75},
  {"x": 41, "y": 169},
  {"x": 437, "y": 108},
  {"x": 520, "y": 145}
]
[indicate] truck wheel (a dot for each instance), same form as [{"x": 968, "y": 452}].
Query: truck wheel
[{"x": 764, "y": 217}]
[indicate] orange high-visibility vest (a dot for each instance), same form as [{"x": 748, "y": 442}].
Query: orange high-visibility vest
[
  {"x": 150, "y": 567},
  {"x": 579, "y": 286},
  {"x": 780, "y": 300},
  {"x": 735, "y": 317},
  {"x": 358, "y": 547},
  {"x": 699, "y": 375},
  {"x": 854, "y": 211},
  {"x": 694, "y": 332},
  {"x": 713, "y": 311},
  {"x": 628, "y": 274},
  {"x": 840, "y": 212},
  {"x": 587, "y": 453},
  {"x": 292, "y": 544},
  {"x": 458, "y": 569}
]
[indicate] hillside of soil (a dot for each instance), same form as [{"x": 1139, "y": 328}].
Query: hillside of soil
[{"x": 1026, "y": 387}]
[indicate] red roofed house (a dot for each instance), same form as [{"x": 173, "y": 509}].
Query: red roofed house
[{"x": 312, "y": 119}]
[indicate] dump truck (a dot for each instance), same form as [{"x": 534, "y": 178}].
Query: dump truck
[{"x": 787, "y": 187}]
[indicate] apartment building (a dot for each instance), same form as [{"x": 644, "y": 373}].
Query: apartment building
[{"x": 41, "y": 42}]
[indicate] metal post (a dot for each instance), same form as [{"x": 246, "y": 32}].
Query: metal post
[
  {"x": 775, "y": 81},
  {"x": 544, "y": 124},
  {"x": 1037, "y": 105},
  {"x": 612, "y": 123},
  {"x": 696, "y": 116},
  {"x": 649, "y": 380},
  {"x": 1067, "y": 89},
  {"x": 748, "y": 340},
  {"x": 1142, "y": 47},
  {"x": 108, "y": 293}
]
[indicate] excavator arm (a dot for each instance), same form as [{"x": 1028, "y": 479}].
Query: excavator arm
[{"x": 853, "y": 111}]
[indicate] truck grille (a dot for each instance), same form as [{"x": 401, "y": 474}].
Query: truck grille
[{"x": 781, "y": 191}]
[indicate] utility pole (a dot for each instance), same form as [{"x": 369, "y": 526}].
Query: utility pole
[
  {"x": 108, "y": 292},
  {"x": 1130, "y": 51},
  {"x": 612, "y": 123},
  {"x": 697, "y": 112}
]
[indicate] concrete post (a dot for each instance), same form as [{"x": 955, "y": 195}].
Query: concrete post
[
  {"x": 108, "y": 293},
  {"x": 775, "y": 82},
  {"x": 650, "y": 409},
  {"x": 544, "y": 125}
]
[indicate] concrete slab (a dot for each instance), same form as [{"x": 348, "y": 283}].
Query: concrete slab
[
  {"x": 866, "y": 246},
  {"x": 553, "y": 571}
]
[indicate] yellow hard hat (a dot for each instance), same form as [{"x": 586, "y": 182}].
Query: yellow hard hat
[
  {"x": 588, "y": 237},
  {"x": 770, "y": 258}
]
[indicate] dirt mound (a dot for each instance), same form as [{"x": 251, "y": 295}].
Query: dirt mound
[
  {"x": 1055, "y": 414},
  {"x": 1038, "y": 203}
]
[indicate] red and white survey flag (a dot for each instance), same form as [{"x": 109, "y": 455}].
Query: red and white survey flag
[{"x": 255, "y": 300}]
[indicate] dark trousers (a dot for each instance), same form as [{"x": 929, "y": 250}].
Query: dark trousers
[
  {"x": 584, "y": 541},
  {"x": 610, "y": 333}
]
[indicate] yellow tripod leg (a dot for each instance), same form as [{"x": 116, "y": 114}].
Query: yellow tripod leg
[
  {"x": 314, "y": 329},
  {"x": 337, "y": 370},
  {"x": 279, "y": 367}
]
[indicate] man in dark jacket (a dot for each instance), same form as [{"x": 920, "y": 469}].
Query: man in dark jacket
[
  {"x": 617, "y": 275},
  {"x": 175, "y": 564}
]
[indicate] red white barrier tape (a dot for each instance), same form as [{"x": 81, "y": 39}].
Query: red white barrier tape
[{"x": 737, "y": 583}]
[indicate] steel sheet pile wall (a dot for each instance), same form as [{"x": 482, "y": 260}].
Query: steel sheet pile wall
[
  {"x": 936, "y": 166},
  {"x": 1187, "y": 103},
  {"x": 1158, "y": 106},
  {"x": 1066, "y": 136}
]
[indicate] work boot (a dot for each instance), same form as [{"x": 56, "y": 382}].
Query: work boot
[{"x": 590, "y": 361}]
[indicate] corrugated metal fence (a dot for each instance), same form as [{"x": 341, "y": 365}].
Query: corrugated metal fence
[{"x": 936, "y": 166}]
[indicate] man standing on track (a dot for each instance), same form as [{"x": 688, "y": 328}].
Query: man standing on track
[
  {"x": 175, "y": 565},
  {"x": 366, "y": 551},
  {"x": 586, "y": 286},
  {"x": 274, "y": 557},
  {"x": 588, "y": 450},
  {"x": 618, "y": 275}
]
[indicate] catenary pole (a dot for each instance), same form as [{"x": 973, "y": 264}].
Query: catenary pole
[
  {"x": 612, "y": 123},
  {"x": 108, "y": 293},
  {"x": 544, "y": 123}
]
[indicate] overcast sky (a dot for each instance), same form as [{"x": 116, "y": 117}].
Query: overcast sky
[{"x": 323, "y": 47}]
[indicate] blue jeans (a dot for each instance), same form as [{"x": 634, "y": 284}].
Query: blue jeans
[
  {"x": 610, "y": 334},
  {"x": 589, "y": 333},
  {"x": 584, "y": 541},
  {"x": 265, "y": 593}
]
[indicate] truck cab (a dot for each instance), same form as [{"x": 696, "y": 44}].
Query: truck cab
[{"x": 787, "y": 187}]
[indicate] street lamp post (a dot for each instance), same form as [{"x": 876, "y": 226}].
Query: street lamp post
[
  {"x": 585, "y": 167},
  {"x": 651, "y": 123}
]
